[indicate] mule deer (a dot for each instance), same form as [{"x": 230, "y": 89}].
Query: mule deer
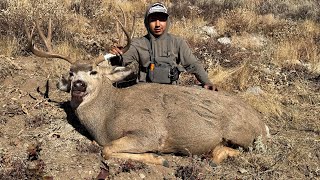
[{"x": 138, "y": 121}]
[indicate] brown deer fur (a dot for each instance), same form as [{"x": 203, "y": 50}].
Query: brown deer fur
[{"x": 148, "y": 117}]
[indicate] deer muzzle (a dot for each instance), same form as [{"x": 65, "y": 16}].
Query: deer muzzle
[{"x": 78, "y": 89}]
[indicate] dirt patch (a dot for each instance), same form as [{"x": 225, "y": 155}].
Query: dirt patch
[
  {"x": 7, "y": 68},
  {"x": 40, "y": 137}
]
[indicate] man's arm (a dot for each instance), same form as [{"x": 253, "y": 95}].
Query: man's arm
[{"x": 192, "y": 65}]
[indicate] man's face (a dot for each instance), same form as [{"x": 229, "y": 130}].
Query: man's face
[{"x": 157, "y": 24}]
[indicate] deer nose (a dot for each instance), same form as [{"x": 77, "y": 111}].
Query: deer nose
[{"x": 79, "y": 85}]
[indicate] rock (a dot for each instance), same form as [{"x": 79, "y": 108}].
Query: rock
[
  {"x": 210, "y": 31},
  {"x": 249, "y": 41},
  {"x": 142, "y": 176},
  {"x": 242, "y": 171},
  {"x": 266, "y": 70},
  {"x": 224, "y": 40},
  {"x": 256, "y": 90}
]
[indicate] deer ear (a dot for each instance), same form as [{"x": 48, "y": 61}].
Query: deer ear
[
  {"x": 64, "y": 84},
  {"x": 119, "y": 73}
]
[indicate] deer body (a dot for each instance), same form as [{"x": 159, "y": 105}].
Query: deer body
[{"x": 167, "y": 118}]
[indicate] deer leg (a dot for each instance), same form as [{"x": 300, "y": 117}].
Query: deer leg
[
  {"x": 130, "y": 148},
  {"x": 221, "y": 152},
  {"x": 144, "y": 157}
]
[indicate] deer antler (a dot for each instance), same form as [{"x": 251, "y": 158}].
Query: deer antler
[
  {"x": 120, "y": 34},
  {"x": 47, "y": 42},
  {"x": 133, "y": 29},
  {"x": 126, "y": 47},
  {"x": 129, "y": 37},
  {"x": 122, "y": 25}
]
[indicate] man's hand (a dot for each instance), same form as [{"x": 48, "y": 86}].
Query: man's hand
[
  {"x": 116, "y": 51},
  {"x": 210, "y": 87}
]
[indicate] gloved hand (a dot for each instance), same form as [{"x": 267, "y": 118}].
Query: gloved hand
[{"x": 115, "y": 51}]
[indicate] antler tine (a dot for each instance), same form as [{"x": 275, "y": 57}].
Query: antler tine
[
  {"x": 133, "y": 29},
  {"x": 129, "y": 37},
  {"x": 29, "y": 34},
  {"x": 124, "y": 23},
  {"x": 47, "y": 42},
  {"x": 125, "y": 49},
  {"x": 118, "y": 33}
]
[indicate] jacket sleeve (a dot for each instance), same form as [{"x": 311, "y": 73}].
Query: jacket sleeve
[{"x": 191, "y": 63}]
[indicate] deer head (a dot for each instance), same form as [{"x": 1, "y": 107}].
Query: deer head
[{"x": 84, "y": 76}]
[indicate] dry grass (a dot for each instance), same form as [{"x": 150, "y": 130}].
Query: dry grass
[
  {"x": 238, "y": 77},
  {"x": 309, "y": 28},
  {"x": 69, "y": 50},
  {"x": 268, "y": 104},
  {"x": 296, "y": 52},
  {"x": 236, "y": 21},
  {"x": 249, "y": 41},
  {"x": 187, "y": 28},
  {"x": 9, "y": 46}
]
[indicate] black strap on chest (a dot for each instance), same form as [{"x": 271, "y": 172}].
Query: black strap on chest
[
  {"x": 149, "y": 44},
  {"x": 162, "y": 68}
]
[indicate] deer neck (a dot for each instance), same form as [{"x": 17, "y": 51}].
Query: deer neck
[{"x": 96, "y": 110}]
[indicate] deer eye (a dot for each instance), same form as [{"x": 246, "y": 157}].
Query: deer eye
[{"x": 93, "y": 72}]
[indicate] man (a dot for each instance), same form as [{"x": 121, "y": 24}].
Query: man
[{"x": 160, "y": 56}]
